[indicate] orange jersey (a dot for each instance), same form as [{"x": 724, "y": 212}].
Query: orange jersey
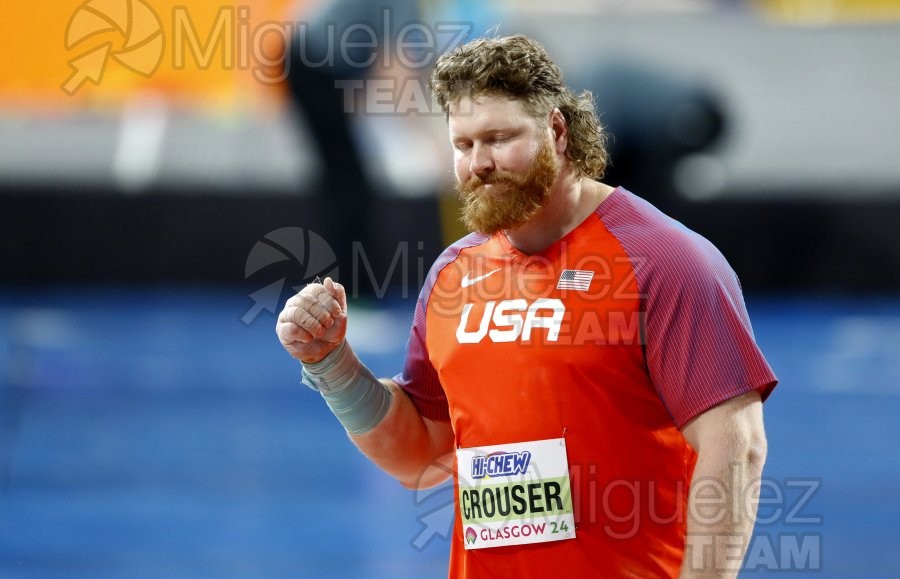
[{"x": 613, "y": 338}]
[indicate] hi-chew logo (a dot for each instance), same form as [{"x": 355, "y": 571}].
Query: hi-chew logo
[{"x": 500, "y": 464}]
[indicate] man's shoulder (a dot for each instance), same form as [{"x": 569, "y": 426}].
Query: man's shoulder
[
  {"x": 628, "y": 215},
  {"x": 658, "y": 244},
  {"x": 449, "y": 255},
  {"x": 453, "y": 250}
]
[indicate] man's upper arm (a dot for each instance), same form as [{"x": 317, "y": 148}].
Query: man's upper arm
[
  {"x": 699, "y": 345},
  {"x": 731, "y": 427},
  {"x": 701, "y": 351},
  {"x": 440, "y": 432}
]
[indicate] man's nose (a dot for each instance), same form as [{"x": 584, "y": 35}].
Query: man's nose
[{"x": 481, "y": 161}]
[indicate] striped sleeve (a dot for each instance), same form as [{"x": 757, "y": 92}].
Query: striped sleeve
[
  {"x": 700, "y": 348},
  {"x": 419, "y": 379}
]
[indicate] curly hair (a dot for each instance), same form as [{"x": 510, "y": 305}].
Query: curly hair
[{"x": 518, "y": 67}]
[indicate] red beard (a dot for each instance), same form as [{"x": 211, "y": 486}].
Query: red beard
[{"x": 513, "y": 199}]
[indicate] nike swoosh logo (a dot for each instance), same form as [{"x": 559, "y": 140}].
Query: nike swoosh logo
[{"x": 467, "y": 281}]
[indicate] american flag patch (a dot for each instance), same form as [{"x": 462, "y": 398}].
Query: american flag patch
[{"x": 576, "y": 279}]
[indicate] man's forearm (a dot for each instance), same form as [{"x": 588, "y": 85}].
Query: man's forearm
[
  {"x": 721, "y": 514},
  {"x": 380, "y": 418},
  {"x": 356, "y": 398},
  {"x": 412, "y": 449}
]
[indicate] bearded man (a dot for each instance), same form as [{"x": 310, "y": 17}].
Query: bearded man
[{"x": 583, "y": 365}]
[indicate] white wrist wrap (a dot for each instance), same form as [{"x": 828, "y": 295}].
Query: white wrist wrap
[{"x": 355, "y": 396}]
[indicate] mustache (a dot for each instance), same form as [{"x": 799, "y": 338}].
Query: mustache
[{"x": 494, "y": 178}]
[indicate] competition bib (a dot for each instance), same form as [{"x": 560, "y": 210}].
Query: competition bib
[{"x": 515, "y": 494}]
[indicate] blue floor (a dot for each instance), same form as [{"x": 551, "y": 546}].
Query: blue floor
[{"x": 153, "y": 434}]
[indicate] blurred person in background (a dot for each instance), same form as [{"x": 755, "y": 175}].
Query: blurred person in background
[
  {"x": 323, "y": 52},
  {"x": 578, "y": 344},
  {"x": 365, "y": 150}
]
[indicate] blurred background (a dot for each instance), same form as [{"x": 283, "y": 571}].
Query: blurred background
[{"x": 171, "y": 172}]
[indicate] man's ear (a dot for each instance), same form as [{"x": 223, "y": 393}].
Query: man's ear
[{"x": 560, "y": 130}]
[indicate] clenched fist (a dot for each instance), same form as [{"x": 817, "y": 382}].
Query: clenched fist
[{"x": 314, "y": 322}]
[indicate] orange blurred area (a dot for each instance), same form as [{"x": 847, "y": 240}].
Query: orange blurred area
[
  {"x": 832, "y": 11},
  {"x": 61, "y": 55}
]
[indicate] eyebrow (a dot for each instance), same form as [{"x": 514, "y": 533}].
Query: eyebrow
[{"x": 488, "y": 131}]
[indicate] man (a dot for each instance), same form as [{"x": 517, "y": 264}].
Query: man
[{"x": 584, "y": 362}]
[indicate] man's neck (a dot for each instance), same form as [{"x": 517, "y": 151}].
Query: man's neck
[{"x": 572, "y": 199}]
